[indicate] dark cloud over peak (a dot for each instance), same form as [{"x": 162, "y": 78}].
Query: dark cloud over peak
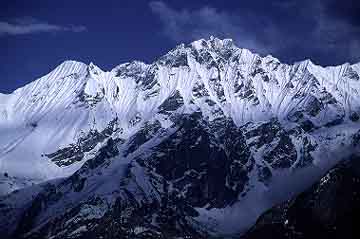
[
  {"x": 290, "y": 30},
  {"x": 347, "y": 10}
]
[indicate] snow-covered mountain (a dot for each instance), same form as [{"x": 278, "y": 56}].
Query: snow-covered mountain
[{"x": 198, "y": 143}]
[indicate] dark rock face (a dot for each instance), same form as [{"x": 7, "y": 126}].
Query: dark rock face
[
  {"x": 205, "y": 167},
  {"x": 279, "y": 150},
  {"x": 145, "y": 134},
  {"x": 329, "y": 209},
  {"x": 354, "y": 117},
  {"x": 171, "y": 104},
  {"x": 76, "y": 152}
]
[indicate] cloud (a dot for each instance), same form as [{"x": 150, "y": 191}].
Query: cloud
[
  {"x": 290, "y": 30},
  {"x": 188, "y": 25},
  {"x": 30, "y": 25},
  {"x": 332, "y": 34},
  {"x": 347, "y": 10}
]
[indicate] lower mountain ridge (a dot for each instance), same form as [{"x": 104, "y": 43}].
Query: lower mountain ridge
[{"x": 328, "y": 209}]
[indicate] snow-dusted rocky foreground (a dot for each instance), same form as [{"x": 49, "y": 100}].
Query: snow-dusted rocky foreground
[{"x": 199, "y": 143}]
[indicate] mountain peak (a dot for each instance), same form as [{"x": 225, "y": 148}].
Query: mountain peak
[
  {"x": 129, "y": 66},
  {"x": 66, "y": 68},
  {"x": 213, "y": 42},
  {"x": 72, "y": 65},
  {"x": 93, "y": 69}
]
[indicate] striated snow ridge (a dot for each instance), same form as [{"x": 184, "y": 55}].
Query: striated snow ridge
[{"x": 55, "y": 110}]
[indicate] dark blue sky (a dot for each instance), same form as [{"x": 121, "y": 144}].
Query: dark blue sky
[{"x": 36, "y": 36}]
